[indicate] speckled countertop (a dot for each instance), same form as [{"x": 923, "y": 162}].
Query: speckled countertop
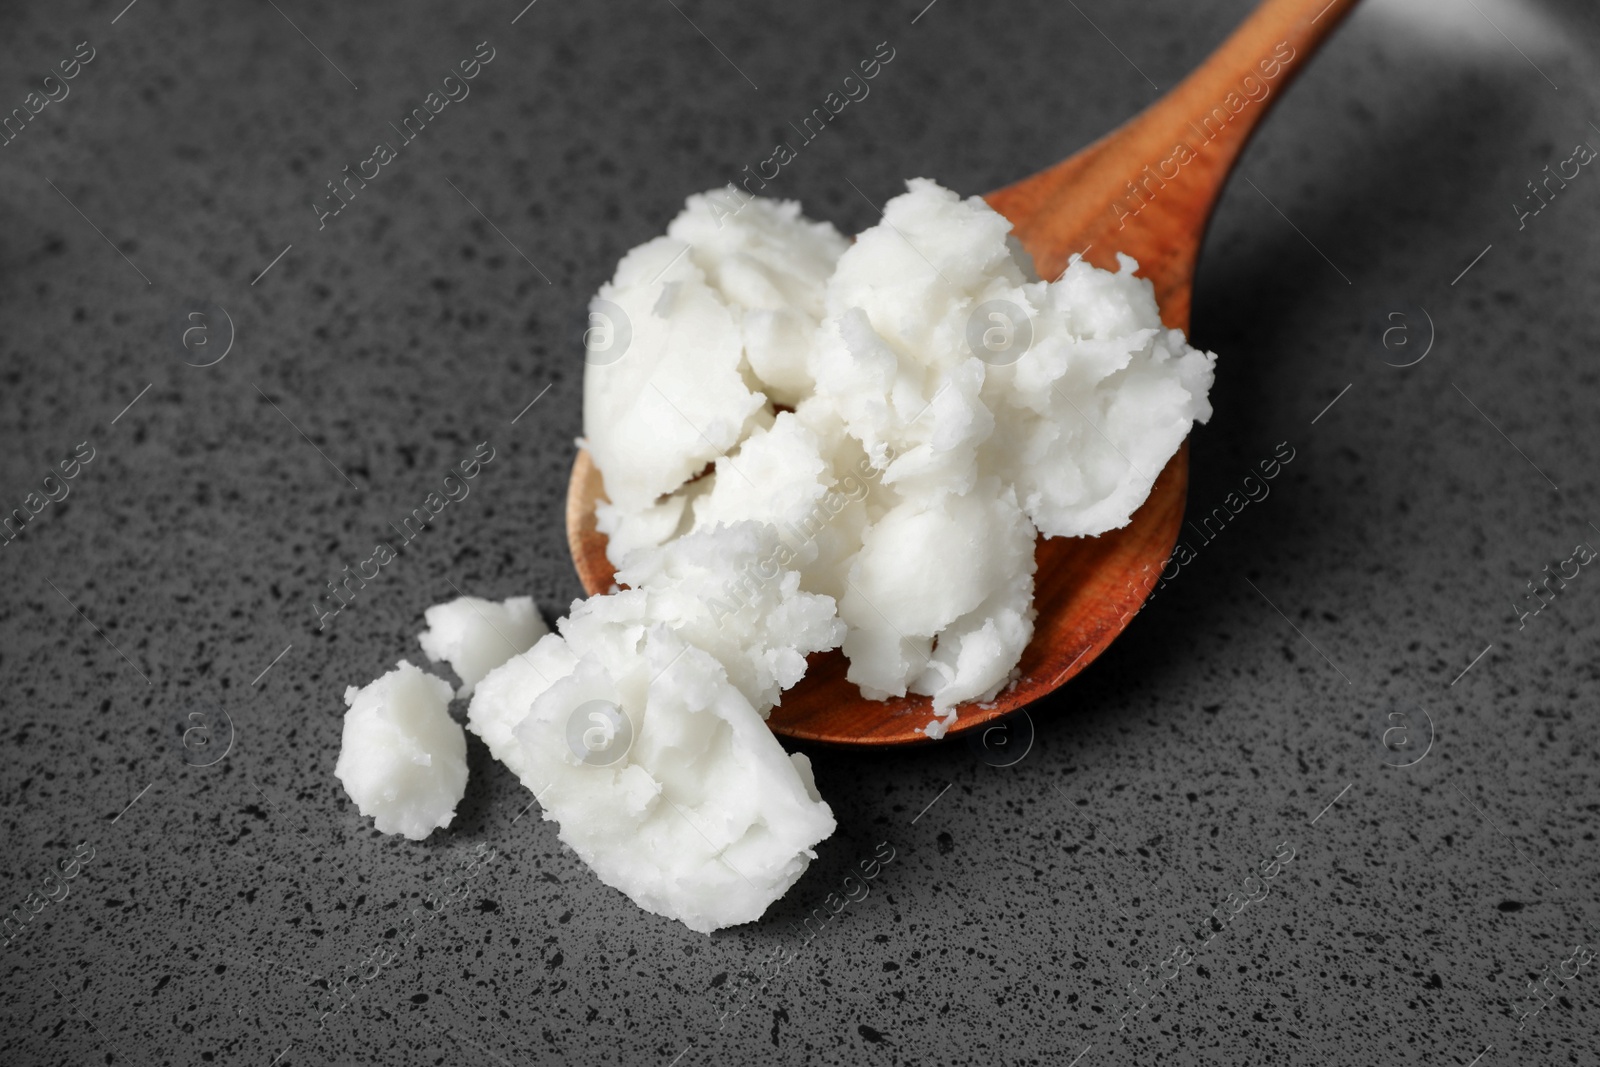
[{"x": 171, "y": 712}]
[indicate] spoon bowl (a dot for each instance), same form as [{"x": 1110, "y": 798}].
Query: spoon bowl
[{"x": 1147, "y": 190}]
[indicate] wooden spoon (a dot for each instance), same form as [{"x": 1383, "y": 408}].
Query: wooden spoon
[{"x": 1148, "y": 190}]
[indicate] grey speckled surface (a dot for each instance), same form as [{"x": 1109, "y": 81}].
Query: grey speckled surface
[{"x": 1416, "y": 908}]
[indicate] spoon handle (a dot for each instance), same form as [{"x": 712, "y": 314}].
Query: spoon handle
[{"x": 1148, "y": 187}]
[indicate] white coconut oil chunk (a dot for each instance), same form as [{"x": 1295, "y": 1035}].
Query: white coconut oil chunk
[
  {"x": 948, "y": 408},
  {"x": 403, "y": 759},
  {"x": 640, "y": 727},
  {"x": 475, "y": 635}
]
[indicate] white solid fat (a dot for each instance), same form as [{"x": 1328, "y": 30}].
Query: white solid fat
[
  {"x": 717, "y": 319},
  {"x": 949, "y": 395},
  {"x": 938, "y": 727},
  {"x": 770, "y": 263},
  {"x": 774, "y": 476},
  {"x": 668, "y": 395},
  {"x": 1102, "y": 400},
  {"x": 402, "y": 759},
  {"x": 667, "y": 783},
  {"x": 476, "y": 635},
  {"x": 781, "y": 477},
  {"x": 639, "y": 728},
  {"x": 1080, "y": 416},
  {"x": 730, "y": 591},
  {"x": 628, "y": 530},
  {"x": 502, "y": 699},
  {"x": 760, "y": 253},
  {"x": 980, "y": 546}
]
